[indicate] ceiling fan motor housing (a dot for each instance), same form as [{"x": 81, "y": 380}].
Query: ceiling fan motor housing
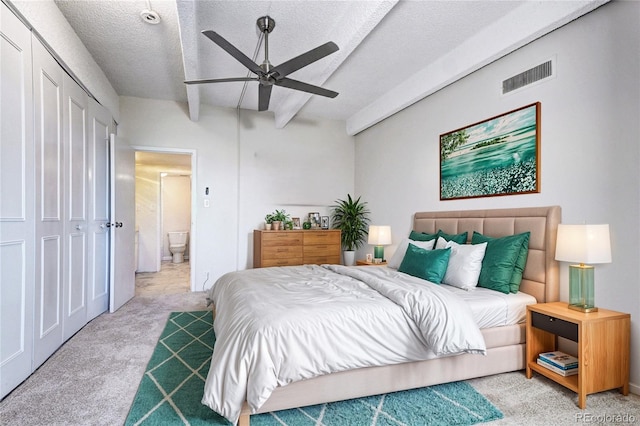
[{"x": 266, "y": 24}]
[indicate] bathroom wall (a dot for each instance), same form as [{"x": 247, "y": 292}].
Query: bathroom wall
[
  {"x": 176, "y": 209},
  {"x": 149, "y": 213}
]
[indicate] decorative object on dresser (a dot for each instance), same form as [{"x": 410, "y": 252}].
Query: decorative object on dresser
[
  {"x": 603, "y": 339},
  {"x": 296, "y": 222},
  {"x": 295, "y": 247},
  {"x": 268, "y": 221},
  {"x": 324, "y": 222},
  {"x": 497, "y": 156},
  {"x": 314, "y": 220},
  {"x": 583, "y": 244},
  {"x": 351, "y": 217},
  {"x": 379, "y": 236},
  {"x": 278, "y": 219}
]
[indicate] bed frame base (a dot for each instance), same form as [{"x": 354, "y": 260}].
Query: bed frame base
[{"x": 390, "y": 378}]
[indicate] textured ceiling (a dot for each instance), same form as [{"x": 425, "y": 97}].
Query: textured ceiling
[{"x": 392, "y": 53}]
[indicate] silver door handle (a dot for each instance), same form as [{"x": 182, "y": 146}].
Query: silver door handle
[{"x": 78, "y": 227}]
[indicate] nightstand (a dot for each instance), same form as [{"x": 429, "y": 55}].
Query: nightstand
[
  {"x": 603, "y": 339},
  {"x": 362, "y": 262}
]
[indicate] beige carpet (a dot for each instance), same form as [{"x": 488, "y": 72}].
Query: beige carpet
[{"x": 93, "y": 378}]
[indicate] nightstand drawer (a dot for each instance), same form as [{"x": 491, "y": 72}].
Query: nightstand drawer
[{"x": 559, "y": 327}]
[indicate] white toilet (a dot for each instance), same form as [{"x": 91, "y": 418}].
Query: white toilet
[{"x": 177, "y": 245}]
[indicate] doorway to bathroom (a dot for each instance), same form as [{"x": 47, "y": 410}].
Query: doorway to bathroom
[{"x": 164, "y": 199}]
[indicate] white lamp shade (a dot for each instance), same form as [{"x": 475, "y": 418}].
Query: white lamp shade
[
  {"x": 583, "y": 244},
  {"x": 379, "y": 235}
]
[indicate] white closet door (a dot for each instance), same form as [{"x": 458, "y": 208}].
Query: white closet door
[
  {"x": 50, "y": 174},
  {"x": 123, "y": 218},
  {"x": 98, "y": 197},
  {"x": 75, "y": 115},
  {"x": 16, "y": 203}
]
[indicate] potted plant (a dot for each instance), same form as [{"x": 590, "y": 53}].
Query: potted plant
[
  {"x": 279, "y": 216},
  {"x": 268, "y": 221},
  {"x": 351, "y": 217}
]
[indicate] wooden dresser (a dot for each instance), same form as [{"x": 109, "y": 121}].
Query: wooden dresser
[{"x": 297, "y": 247}]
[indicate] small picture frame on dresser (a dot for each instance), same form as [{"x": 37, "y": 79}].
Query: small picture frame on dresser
[
  {"x": 325, "y": 222},
  {"x": 296, "y": 223},
  {"x": 314, "y": 218}
]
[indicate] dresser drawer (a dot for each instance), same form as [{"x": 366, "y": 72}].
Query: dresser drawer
[
  {"x": 559, "y": 327},
  {"x": 282, "y": 252},
  {"x": 322, "y": 250},
  {"x": 319, "y": 260},
  {"x": 286, "y": 238},
  {"x": 321, "y": 237},
  {"x": 289, "y": 261}
]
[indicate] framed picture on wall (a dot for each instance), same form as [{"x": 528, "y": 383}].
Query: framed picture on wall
[
  {"x": 325, "y": 222},
  {"x": 497, "y": 156}
]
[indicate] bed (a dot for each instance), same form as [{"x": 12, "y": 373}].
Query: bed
[{"x": 504, "y": 345}]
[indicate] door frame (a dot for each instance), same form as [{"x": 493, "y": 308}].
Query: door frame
[{"x": 194, "y": 203}]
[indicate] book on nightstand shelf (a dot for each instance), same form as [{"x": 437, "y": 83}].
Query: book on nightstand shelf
[
  {"x": 558, "y": 370},
  {"x": 560, "y": 359}
]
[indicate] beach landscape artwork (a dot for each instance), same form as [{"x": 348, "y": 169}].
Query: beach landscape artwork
[{"x": 498, "y": 156}]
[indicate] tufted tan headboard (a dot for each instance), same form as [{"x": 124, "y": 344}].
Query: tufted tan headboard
[{"x": 541, "y": 275}]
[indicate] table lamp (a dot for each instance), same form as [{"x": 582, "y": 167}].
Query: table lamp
[
  {"x": 585, "y": 244},
  {"x": 379, "y": 236}
]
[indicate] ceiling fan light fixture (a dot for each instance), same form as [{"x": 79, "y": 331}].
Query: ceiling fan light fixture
[{"x": 150, "y": 16}]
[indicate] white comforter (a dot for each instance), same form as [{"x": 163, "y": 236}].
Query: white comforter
[{"x": 274, "y": 326}]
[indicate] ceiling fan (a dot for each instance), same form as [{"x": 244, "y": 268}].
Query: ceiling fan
[{"x": 266, "y": 74}]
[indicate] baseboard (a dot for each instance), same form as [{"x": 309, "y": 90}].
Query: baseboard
[
  {"x": 169, "y": 258},
  {"x": 635, "y": 389}
]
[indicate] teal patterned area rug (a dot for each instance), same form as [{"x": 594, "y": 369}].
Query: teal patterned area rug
[{"x": 171, "y": 389}]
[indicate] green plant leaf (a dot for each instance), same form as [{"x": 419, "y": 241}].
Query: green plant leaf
[{"x": 352, "y": 218}]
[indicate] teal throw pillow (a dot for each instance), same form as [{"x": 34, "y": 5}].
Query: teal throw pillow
[
  {"x": 456, "y": 238},
  {"x": 421, "y": 236},
  {"x": 504, "y": 261},
  {"x": 430, "y": 265}
]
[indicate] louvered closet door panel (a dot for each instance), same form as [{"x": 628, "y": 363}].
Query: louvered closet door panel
[
  {"x": 75, "y": 114},
  {"x": 16, "y": 203},
  {"x": 49, "y": 194}
]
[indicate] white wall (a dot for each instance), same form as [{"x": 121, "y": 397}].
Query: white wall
[
  {"x": 589, "y": 146},
  {"x": 176, "y": 209},
  {"x": 148, "y": 218},
  {"x": 250, "y": 167}
]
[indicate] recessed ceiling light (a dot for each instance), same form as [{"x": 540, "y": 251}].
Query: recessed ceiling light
[{"x": 150, "y": 16}]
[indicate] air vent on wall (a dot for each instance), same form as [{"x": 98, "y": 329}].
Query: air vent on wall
[{"x": 528, "y": 77}]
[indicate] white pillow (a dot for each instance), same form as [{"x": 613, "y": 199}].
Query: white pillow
[
  {"x": 465, "y": 264},
  {"x": 397, "y": 257}
]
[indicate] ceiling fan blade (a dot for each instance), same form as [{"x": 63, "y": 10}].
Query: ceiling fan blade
[
  {"x": 303, "y": 60},
  {"x": 233, "y": 51},
  {"x": 305, "y": 87},
  {"x": 220, "y": 80},
  {"x": 264, "y": 95}
]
